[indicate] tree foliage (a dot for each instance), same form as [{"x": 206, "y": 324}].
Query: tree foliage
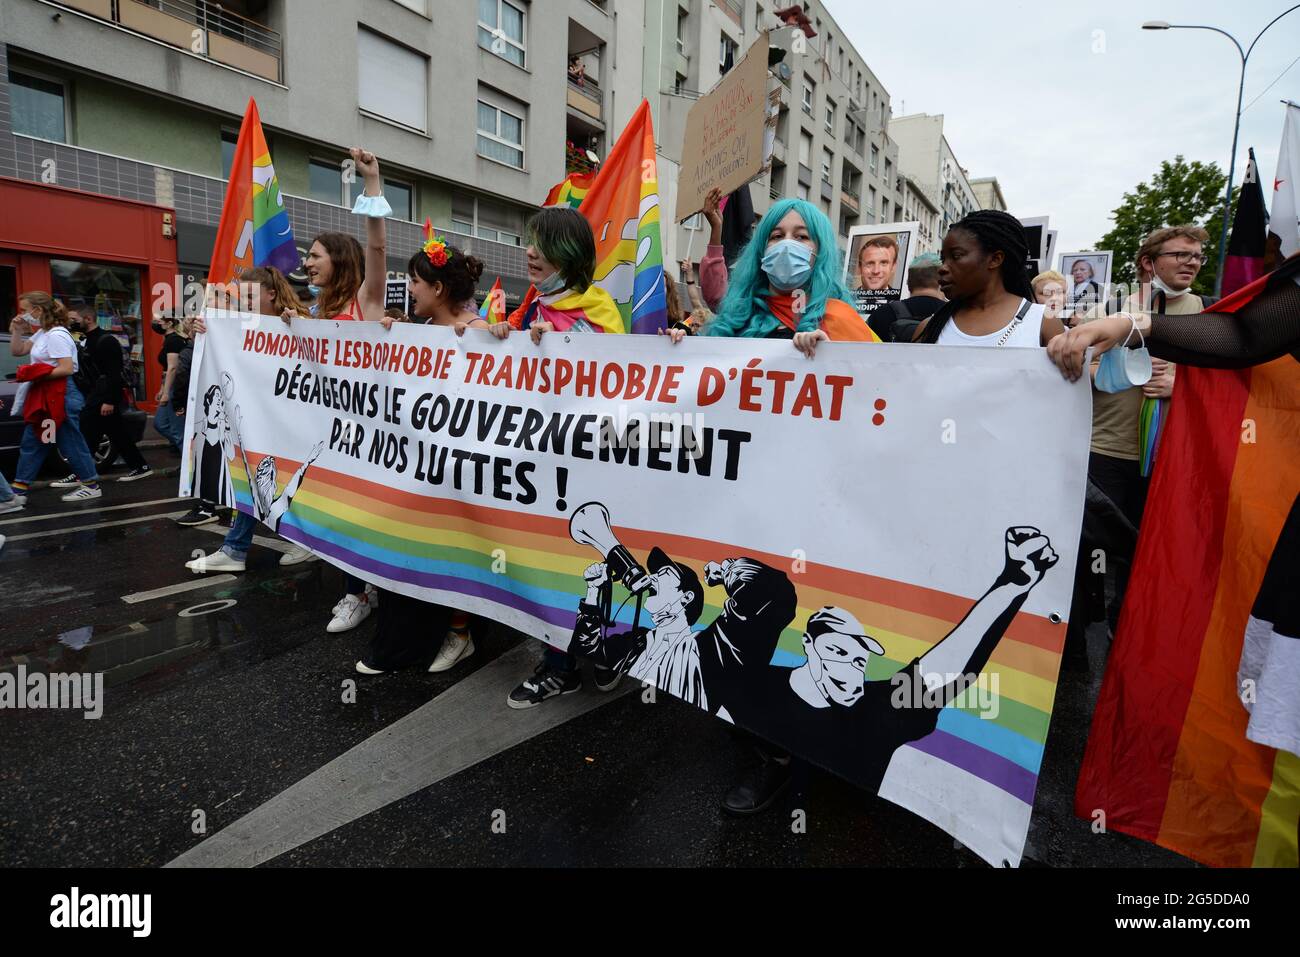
[{"x": 1180, "y": 194}]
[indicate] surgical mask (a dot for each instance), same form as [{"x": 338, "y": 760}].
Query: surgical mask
[
  {"x": 552, "y": 283},
  {"x": 1122, "y": 368},
  {"x": 1164, "y": 287},
  {"x": 314, "y": 290},
  {"x": 788, "y": 264}
]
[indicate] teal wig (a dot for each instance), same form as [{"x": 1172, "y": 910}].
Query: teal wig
[{"x": 744, "y": 311}]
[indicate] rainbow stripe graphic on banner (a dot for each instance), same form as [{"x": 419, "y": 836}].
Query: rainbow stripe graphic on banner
[
  {"x": 380, "y": 531},
  {"x": 254, "y": 228}
]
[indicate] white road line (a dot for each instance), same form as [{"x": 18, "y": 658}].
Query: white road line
[
  {"x": 89, "y": 528},
  {"x": 137, "y": 597},
  {"x": 275, "y": 544},
  {"x": 90, "y": 511}
]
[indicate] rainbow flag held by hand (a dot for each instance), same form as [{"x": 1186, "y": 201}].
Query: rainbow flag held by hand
[
  {"x": 493, "y": 309},
  {"x": 254, "y": 228}
]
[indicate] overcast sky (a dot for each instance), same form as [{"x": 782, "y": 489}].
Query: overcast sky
[{"x": 1024, "y": 94}]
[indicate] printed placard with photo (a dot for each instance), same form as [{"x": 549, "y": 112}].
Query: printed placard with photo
[
  {"x": 875, "y": 264},
  {"x": 1087, "y": 276}
]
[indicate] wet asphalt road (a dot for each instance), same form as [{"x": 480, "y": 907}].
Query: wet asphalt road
[{"x": 218, "y": 713}]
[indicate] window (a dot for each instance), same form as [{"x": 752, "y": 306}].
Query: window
[
  {"x": 419, "y": 6},
  {"x": 726, "y": 53},
  {"x": 496, "y": 222},
  {"x": 889, "y": 174},
  {"x": 803, "y": 191},
  {"x": 229, "y": 140},
  {"x": 681, "y": 31},
  {"x": 501, "y": 135},
  {"x": 114, "y": 294},
  {"x": 679, "y": 83},
  {"x": 875, "y": 158},
  {"x": 38, "y": 107},
  {"x": 871, "y": 201},
  {"x": 828, "y": 162},
  {"x": 392, "y": 81},
  {"x": 501, "y": 27},
  {"x": 805, "y": 148},
  {"x": 830, "y": 115},
  {"x": 809, "y": 91},
  {"x": 325, "y": 183},
  {"x": 884, "y": 210},
  {"x": 399, "y": 196}
]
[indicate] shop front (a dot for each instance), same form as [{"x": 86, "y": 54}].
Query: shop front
[{"x": 110, "y": 255}]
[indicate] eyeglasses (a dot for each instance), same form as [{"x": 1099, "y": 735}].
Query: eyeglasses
[{"x": 1184, "y": 257}]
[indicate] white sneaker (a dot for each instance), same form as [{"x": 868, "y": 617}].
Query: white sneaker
[
  {"x": 349, "y": 613},
  {"x": 70, "y": 481},
  {"x": 82, "y": 494},
  {"x": 218, "y": 561},
  {"x": 454, "y": 650},
  {"x": 12, "y": 505},
  {"x": 296, "y": 555}
]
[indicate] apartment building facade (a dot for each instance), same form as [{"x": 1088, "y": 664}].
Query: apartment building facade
[
  {"x": 918, "y": 207},
  {"x": 833, "y": 145},
  {"x": 988, "y": 191},
  {"x": 932, "y": 164}
]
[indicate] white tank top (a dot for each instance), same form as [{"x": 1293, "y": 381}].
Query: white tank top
[{"x": 1025, "y": 333}]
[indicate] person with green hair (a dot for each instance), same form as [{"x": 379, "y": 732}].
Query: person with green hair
[{"x": 786, "y": 284}]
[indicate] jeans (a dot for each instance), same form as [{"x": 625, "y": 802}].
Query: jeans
[
  {"x": 6, "y": 493},
  {"x": 169, "y": 425},
  {"x": 240, "y": 537},
  {"x": 68, "y": 438}
]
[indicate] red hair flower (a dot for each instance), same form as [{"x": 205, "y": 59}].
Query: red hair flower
[{"x": 435, "y": 247}]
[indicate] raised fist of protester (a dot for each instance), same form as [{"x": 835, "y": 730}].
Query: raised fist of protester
[
  {"x": 539, "y": 329},
  {"x": 1028, "y": 557},
  {"x": 806, "y": 342},
  {"x": 366, "y": 162},
  {"x": 711, "y": 211}
]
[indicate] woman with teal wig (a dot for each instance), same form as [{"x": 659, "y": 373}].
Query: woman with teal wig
[{"x": 786, "y": 283}]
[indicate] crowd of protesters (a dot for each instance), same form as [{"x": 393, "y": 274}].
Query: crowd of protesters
[{"x": 785, "y": 282}]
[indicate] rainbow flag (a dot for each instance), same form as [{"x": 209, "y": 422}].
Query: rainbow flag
[
  {"x": 1150, "y": 419},
  {"x": 493, "y": 309},
  {"x": 254, "y": 228},
  {"x": 1168, "y": 758},
  {"x": 571, "y": 192}
]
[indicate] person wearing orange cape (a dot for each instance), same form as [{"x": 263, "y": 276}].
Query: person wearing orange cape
[{"x": 786, "y": 284}]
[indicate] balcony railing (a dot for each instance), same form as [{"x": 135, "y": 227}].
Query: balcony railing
[
  {"x": 198, "y": 26},
  {"x": 735, "y": 8},
  {"x": 584, "y": 96},
  {"x": 849, "y": 201}
]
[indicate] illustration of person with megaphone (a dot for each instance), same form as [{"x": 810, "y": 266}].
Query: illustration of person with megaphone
[{"x": 668, "y": 652}]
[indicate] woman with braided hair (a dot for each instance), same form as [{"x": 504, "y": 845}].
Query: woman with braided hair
[{"x": 990, "y": 299}]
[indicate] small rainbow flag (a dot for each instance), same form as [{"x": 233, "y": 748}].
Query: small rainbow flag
[
  {"x": 571, "y": 192},
  {"x": 493, "y": 309},
  {"x": 254, "y": 228},
  {"x": 1168, "y": 758}
]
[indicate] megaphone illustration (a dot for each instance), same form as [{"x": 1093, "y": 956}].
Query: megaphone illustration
[{"x": 590, "y": 526}]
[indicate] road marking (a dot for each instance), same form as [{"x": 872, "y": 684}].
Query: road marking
[
  {"x": 91, "y": 528},
  {"x": 466, "y": 724},
  {"x": 90, "y": 511},
  {"x": 208, "y": 607},
  {"x": 139, "y": 596}
]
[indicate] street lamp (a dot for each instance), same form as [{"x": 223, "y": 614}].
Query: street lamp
[{"x": 1236, "y": 126}]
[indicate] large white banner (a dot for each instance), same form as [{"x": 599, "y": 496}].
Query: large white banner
[{"x": 865, "y": 558}]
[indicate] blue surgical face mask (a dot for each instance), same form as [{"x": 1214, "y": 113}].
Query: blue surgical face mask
[
  {"x": 788, "y": 264},
  {"x": 552, "y": 283},
  {"x": 313, "y": 289},
  {"x": 1122, "y": 368}
]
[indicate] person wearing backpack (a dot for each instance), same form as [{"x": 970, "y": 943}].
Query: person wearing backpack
[
  {"x": 100, "y": 378},
  {"x": 897, "y": 321}
]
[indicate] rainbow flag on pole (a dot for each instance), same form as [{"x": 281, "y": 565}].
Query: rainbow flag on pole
[
  {"x": 493, "y": 309},
  {"x": 1171, "y": 756},
  {"x": 571, "y": 192},
  {"x": 254, "y": 228}
]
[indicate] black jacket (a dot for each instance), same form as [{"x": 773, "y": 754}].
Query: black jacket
[{"x": 106, "y": 353}]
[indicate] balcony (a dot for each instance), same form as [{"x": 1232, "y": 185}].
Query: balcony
[
  {"x": 584, "y": 96},
  {"x": 734, "y": 8},
  {"x": 203, "y": 28},
  {"x": 849, "y": 201},
  {"x": 828, "y": 191},
  {"x": 805, "y": 175}
]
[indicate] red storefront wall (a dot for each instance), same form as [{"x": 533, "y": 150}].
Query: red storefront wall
[{"x": 39, "y": 222}]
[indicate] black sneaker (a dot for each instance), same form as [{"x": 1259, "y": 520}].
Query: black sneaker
[
  {"x": 142, "y": 472},
  {"x": 758, "y": 788},
  {"x": 545, "y": 683},
  {"x": 197, "y": 516},
  {"x": 607, "y": 679}
]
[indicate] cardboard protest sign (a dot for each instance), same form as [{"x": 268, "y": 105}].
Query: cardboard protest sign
[
  {"x": 600, "y": 493},
  {"x": 723, "y": 146}
]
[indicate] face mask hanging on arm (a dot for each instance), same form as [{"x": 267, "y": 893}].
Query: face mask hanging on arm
[
  {"x": 1123, "y": 368},
  {"x": 788, "y": 264}
]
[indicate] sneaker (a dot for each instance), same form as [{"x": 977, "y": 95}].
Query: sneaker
[
  {"x": 456, "y": 647},
  {"x": 70, "y": 481},
  {"x": 348, "y": 613},
  {"x": 135, "y": 474},
  {"x": 197, "y": 516},
  {"x": 758, "y": 788},
  {"x": 607, "y": 679},
  {"x": 545, "y": 683},
  {"x": 365, "y": 669},
  {"x": 218, "y": 561},
  {"x": 12, "y": 504},
  {"x": 296, "y": 555},
  {"x": 372, "y": 596},
  {"x": 83, "y": 494}
]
